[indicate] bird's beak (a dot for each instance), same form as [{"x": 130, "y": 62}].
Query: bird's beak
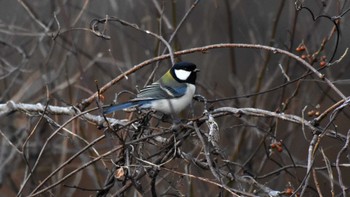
[{"x": 196, "y": 70}]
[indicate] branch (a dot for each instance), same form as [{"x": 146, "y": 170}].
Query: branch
[
  {"x": 88, "y": 101},
  {"x": 265, "y": 113},
  {"x": 11, "y": 106}
]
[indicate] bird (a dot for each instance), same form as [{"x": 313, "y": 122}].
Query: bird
[{"x": 171, "y": 94}]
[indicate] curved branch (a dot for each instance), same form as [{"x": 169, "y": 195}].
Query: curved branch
[{"x": 88, "y": 101}]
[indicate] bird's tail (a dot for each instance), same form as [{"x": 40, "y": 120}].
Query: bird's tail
[{"x": 120, "y": 106}]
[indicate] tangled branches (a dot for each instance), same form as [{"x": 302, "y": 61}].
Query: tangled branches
[{"x": 271, "y": 119}]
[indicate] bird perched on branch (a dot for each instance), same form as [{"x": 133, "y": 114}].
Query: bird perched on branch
[{"x": 171, "y": 94}]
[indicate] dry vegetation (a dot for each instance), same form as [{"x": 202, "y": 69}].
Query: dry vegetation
[{"x": 271, "y": 117}]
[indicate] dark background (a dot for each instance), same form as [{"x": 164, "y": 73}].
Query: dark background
[{"x": 39, "y": 65}]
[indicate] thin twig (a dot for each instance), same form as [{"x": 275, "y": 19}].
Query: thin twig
[
  {"x": 340, "y": 178},
  {"x": 35, "y": 192}
]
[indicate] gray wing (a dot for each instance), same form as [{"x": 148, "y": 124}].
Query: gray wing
[{"x": 161, "y": 91}]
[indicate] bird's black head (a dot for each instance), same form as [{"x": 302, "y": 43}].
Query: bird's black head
[{"x": 184, "y": 72}]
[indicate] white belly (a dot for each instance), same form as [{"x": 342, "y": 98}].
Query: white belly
[{"x": 175, "y": 105}]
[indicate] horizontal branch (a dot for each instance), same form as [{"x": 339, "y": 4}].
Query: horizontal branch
[
  {"x": 265, "y": 113},
  {"x": 11, "y": 106},
  {"x": 39, "y": 108}
]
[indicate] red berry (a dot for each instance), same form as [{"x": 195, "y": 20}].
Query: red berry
[{"x": 322, "y": 64}]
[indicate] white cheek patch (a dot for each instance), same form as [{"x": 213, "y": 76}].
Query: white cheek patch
[{"x": 182, "y": 74}]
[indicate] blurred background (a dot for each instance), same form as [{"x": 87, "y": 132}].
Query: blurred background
[{"x": 48, "y": 54}]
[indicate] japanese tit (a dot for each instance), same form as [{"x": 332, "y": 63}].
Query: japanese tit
[{"x": 171, "y": 94}]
